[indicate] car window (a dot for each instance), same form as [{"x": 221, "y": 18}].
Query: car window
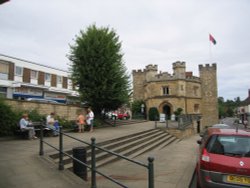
[{"x": 229, "y": 145}]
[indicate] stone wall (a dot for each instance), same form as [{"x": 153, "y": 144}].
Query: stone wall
[
  {"x": 63, "y": 111},
  {"x": 181, "y": 134},
  {"x": 209, "y": 110},
  {"x": 138, "y": 82},
  {"x": 195, "y": 95}
]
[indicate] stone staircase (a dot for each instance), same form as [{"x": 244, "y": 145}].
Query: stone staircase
[
  {"x": 119, "y": 122},
  {"x": 130, "y": 146}
]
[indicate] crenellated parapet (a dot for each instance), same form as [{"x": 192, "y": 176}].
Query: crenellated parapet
[
  {"x": 179, "y": 64},
  {"x": 137, "y": 71},
  {"x": 180, "y": 89},
  {"x": 193, "y": 78},
  {"x": 151, "y": 67},
  {"x": 208, "y": 67},
  {"x": 165, "y": 76}
]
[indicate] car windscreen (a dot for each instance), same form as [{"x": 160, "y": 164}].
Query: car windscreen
[{"x": 234, "y": 145}]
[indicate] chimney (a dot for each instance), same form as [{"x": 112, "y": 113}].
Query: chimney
[{"x": 189, "y": 74}]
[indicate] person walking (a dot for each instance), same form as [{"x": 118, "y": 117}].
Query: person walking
[
  {"x": 90, "y": 119},
  {"x": 26, "y": 125}
]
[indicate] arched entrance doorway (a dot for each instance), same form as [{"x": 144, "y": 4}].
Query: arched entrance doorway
[{"x": 167, "y": 110}]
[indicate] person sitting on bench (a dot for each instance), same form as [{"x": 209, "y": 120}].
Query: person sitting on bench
[
  {"x": 25, "y": 125},
  {"x": 52, "y": 123}
]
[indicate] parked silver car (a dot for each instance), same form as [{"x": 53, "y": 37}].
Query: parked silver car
[{"x": 42, "y": 100}]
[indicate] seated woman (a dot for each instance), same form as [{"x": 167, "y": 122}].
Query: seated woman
[
  {"x": 25, "y": 125},
  {"x": 52, "y": 124}
]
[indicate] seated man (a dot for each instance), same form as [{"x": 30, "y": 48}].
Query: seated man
[
  {"x": 25, "y": 125},
  {"x": 52, "y": 124}
]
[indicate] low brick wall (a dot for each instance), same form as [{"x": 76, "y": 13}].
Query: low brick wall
[{"x": 68, "y": 112}]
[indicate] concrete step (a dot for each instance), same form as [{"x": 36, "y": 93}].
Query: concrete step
[
  {"x": 119, "y": 122},
  {"x": 137, "y": 149},
  {"x": 130, "y": 146},
  {"x": 105, "y": 143},
  {"x": 117, "y": 144},
  {"x": 127, "y": 150}
]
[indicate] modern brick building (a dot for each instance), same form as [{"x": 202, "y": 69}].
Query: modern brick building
[
  {"x": 166, "y": 92},
  {"x": 22, "y": 79}
]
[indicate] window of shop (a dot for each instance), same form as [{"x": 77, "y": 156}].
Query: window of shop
[
  {"x": 3, "y": 92},
  {"x": 59, "y": 79},
  {"x": 4, "y": 71},
  {"x": 47, "y": 77},
  {"x": 33, "y": 74},
  {"x": 18, "y": 71}
]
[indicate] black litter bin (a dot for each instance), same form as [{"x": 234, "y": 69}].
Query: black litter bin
[
  {"x": 78, "y": 168},
  {"x": 198, "y": 126}
]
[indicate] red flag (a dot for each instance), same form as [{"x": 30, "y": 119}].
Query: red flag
[{"x": 211, "y": 38}]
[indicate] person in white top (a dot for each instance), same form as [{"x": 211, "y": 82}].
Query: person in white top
[
  {"x": 90, "y": 119},
  {"x": 26, "y": 125}
]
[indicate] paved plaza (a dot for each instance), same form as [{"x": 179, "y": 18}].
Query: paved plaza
[{"x": 22, "y": 167}]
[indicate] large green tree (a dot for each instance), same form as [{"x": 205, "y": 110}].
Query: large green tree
[
  {"x": 228, "y": 108},
  {"x": 98, "y": 69}
]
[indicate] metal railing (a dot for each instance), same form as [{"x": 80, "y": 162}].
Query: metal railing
[
  {"x": 92, "y": 167},
  {"x": 183, "y": 120}
]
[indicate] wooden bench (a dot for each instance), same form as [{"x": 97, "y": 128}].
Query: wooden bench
[
  {"x": 25, "y": 133},
  {"x": 46, "y": 131}
]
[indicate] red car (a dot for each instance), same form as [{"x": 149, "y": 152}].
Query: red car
[
  {"x": 224, "y": 158},
  {"x": 123, "y": 116}
]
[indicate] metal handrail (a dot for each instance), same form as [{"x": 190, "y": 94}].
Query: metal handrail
[{"x": 149, "y": 166}]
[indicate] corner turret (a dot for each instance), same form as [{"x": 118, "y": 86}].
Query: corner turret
[{"x": 179, "y": 69}]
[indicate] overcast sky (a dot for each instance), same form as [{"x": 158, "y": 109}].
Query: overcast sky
[{"x": 151, "y": 31}]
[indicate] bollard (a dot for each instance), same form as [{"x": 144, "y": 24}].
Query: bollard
[
  {"x": 198, "y": 126},
  {"x": 93, "y": 164},
  {"x": 166, "y": 121},
  {"x": 150, "y": 172},
  {"x": 61, "y": 164},
  {"x": 41, "y": 139},
  {"x": 78, "y": 168}
]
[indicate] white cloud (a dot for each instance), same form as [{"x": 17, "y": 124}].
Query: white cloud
[{"x": 152, "y": 32}]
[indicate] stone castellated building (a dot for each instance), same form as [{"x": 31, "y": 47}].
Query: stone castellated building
[{"x": 195, "y": 95}]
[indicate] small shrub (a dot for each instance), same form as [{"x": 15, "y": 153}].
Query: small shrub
[
  {"x": 153, "y": 114},
  {"x": 8, "y": 120},
  {"x": 66, "y": 124},
  {"x": 35, "y": 116},
  {"x": 178, "y": 111}
]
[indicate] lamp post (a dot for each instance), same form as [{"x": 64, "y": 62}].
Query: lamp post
[{"x": 142, "y": 109}]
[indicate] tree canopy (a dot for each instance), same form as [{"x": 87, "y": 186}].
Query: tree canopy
[
  {"x": 98, "y": 69},
  {"x": 228, "y": 108}
]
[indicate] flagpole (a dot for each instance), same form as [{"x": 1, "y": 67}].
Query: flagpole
[
  {"x": 210, "y": 52},
  {"x": 210, "y": 49}
]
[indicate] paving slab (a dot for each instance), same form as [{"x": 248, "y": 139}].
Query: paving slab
[{"x": 21, "y": 166}]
